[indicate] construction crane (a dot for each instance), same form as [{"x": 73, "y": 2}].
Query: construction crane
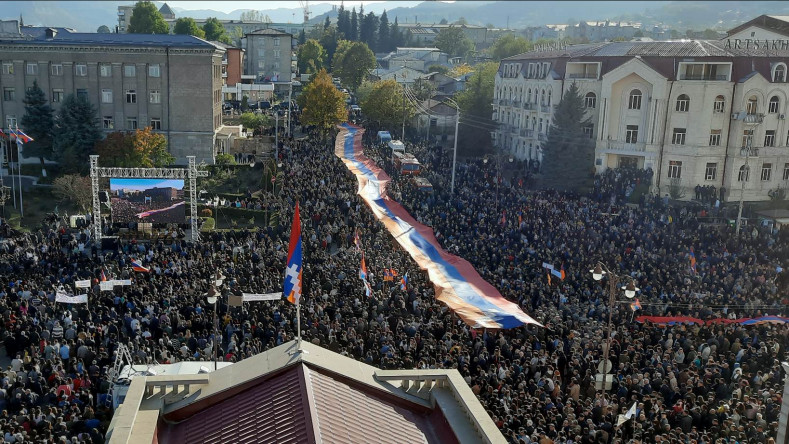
[{"x": 305, "y": 5}]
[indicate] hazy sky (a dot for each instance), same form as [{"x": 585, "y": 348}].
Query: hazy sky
[{"x": 227, "y": 6}]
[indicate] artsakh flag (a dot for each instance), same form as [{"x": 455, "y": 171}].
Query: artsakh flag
[
  {"x": 293, "y": 272},
  {"x": 363, "y": 270},
  {"x": 137, "y": 266},
  {"x": 368, "y": 290}
]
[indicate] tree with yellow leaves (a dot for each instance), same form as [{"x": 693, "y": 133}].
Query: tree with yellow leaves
[{"x": 323, "y": 105}]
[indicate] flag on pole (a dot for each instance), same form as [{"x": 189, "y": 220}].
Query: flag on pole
[
  {"x": 368, "y": 290},
  {"x": 356, "y": 240},
  {"x": 293, "y": 272},
  {"x": 561, "y": 270},
  {"x": 363, "y": 270},
  {"x": 21, "y": 137},
  {"x": 549, "y": 278},
  {"x": 103, "y": 276},
  {"x": 635, "y": 305},
  {"x": 692, "y": 255},
  {"x": 621, "y": 419},
  {"x": 137, "y": 266},
  {"x": 404, "y": 282}
]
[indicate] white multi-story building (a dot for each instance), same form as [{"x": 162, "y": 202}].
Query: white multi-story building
[{"x": 685, "y": 109}]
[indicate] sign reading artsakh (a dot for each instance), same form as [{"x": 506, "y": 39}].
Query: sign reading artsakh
[{"x": 757, "y": 44}]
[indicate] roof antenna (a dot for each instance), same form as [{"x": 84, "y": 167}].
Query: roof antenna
[{"x": 21, "y": 20}]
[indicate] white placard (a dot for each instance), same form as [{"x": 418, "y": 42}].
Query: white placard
[
  {"x": 252, "y": 297},
  {"x": 106, "y": 285},
  {"x": 66, "y": 299},
  {"x": 547, "y": 265},
  {"x": 82, "y": 284},
  {"x": 121, "y": 281}
]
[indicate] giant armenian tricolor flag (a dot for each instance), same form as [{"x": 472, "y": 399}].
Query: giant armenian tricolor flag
[{"x": 457, "y": 283}]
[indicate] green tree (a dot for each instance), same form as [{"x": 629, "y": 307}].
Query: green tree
[
  {"x": 225, "y": 159},
  {"x": 142, "y": 148},
  {"x": 329, "y": 40},
  {"x": 638, "y": 33},
  {"x": 215, "y": 31},
  {"x": 508, "y": 46},
  {"x": 352, "y": 62},
  {"x": 454, "y": 42},
  {"x": 368, "y": 26},
  {"x": 322, "y": 104},
  {"x": 244, "y": 103},
  {"x": 187, "y": 26},
  {"x": 343, "y": 20},
  {"x": 253, "y": 15},
  {"x": 76, "y": 133},
  {"x": 384, "y": 104},
  {"x": 568, "y": 154},
  {"x": 423, "y": 89},
  {"x": 103, "y": 29},
  {"x": 255, "y": 122},
  {"x": 476, "y": 108},
  {"x": 384, "y": 41},
  {"x": 302, "y": 37},
  {"x": 710, "y": 34},
  {"x": 146, "y": 19},
  {"x": 38, "y": 122},
  {"x": 311, "y": 57},
  {"x": 353, "y": 28}
]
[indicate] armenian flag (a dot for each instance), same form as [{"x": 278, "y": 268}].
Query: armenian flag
[
  {"x": 564, "y": 275},
  {"x": 293, "y": 272},
  {"x": 388, "y": 277},
  {"x": 692, "y": 255},
  {"x": 363, "y": 270},
  {"x": 137, "y": 266},
  {"x": 635, "y": 305}
]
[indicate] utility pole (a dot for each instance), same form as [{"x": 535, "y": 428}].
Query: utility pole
[
  {"x": 290, "y": 91},
  {"x": 276, "y": 136},
  {"x": 455, "y": 149}
]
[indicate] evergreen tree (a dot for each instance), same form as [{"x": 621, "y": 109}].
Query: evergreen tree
[
  {"x": 343, "y": 20},
  {"x": 353, "y": 31},
  {"x": 384, "y": 44},
  {"x": 396, "y": 35},
  {"x": 475, "y": 103},
  {"x": 367, "y": 29},
  {"x": 187, "y": 26},
  {"x": 76, "y": 133},
  {"x": 326, "y": 23},
  {"x": 213, "y": 29},
  {"x": 146, "y": 19},
  {"x": 38, "y": 122},
  {"x": 568, "y": 154},
  {"x": 302, "y": 37}
]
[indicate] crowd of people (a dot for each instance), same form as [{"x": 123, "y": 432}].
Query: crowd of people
[{"x": 690, "y": 383}]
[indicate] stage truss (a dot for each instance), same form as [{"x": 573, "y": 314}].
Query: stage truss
[{"x": 191, "y": 173}]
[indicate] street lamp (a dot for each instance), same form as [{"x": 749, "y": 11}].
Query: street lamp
[
  {"x": 599, "y": 272},
  {"x": 455, "y": 149},
  {"x": 753, "y": 120},
  {"x": 212, "y": 297}
]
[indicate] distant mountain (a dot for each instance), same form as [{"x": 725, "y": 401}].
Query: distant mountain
[{"x": 87, "y": 16}]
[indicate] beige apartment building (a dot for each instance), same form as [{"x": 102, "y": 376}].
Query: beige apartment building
[
  {"x": 695, "y": 112},
  {"x": 172, "y": 83},
  {"x": 269, "y": 57}
]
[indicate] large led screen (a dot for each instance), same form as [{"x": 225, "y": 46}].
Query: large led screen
[{"x": 147, "y": 200}]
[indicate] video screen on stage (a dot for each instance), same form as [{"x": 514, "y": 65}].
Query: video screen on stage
[{"x": 147, "y": 200}]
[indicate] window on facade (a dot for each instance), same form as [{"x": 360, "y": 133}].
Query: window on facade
[
  {"x": 57, "y": 95},
  {"x": 711, "y": 171},
  {"x": 8, "y": 68},
  {"x": 156, "y": 124},
  {"x": 549, "y": 97},
  {"x": 131, "y": 96},
  {"x": 105, "y": 70},
  {"x": 747, "y": 137},
  {"x": 674, "y": 169},
  {"x": 82, "y": 94},
  {"x": 542, "y": 97},
  {"x": 9, "y": 94},
  {"x": 715, "y": 137},
  {"x": 767, "y": 172},
  {"x": 156, "y": 96},
  {"x": 131, "y": 123},
  {"x": 678, "y": 137},
  {"x": 590, "y": 101},
  {"x": 10, "y": 121},
  {"x": 153, "y": 70},
  {"x": 276, "y": 41},
  {"x": 276, "y": 64},
  {"x": 108, "y": 122},
  {"x": 589, "y": 130},
  {"x": 779, "y": 73},
  {"x": 277, "y": 53},
  {"x": 80, "y": 70},
  {"x": 743, "y": 174},
  {"x": 31, "y": 69},
  {"x": 631, "y": 134},
  {"x": 56, "y": 69},
  {"x": 769, "y": 138},
  {"x": 261, "y": 52},
  {"x": 129, "y": 71},
  {"x": 261, "y": 64},
  {"x": 772, "y": 108},
  {"x": 786, "y": 171},
  {"x": 683, "y": 103},
  {"x": 106, "y": 96},
  {"x": 635, "y": 99},
  {"x": 752, "y": 105},
  {"x": 719, "y": 105}
]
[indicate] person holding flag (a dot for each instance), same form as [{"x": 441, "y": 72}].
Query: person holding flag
[
  {"x": 692, "y": 255},
  {"x": 356, "y": 240},
  {"x": 294, "y": 271},
  {"x": 137, "y": 266},
  {"x": 363, "y": 270},
  {"x": 404, "y": 282}
]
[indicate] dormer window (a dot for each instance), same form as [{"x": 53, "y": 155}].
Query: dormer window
[{"x": 779, "y": 73}]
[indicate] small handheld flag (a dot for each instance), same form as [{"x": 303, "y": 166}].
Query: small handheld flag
[
  {"x": 692, "y": 260},
  {"x": 635, "y": 305},
  {"x": 137, "y": 266},
  {"x": 404, "y": 282},
  {"x": 368, "y": 290},
  {"x": 356, "y": 240},
  {"x": 103, "y": 276},
  {"x": 293, "y": 272},
  {"x": 561, "y": 270},
  {"x": 363, "y": 270}
]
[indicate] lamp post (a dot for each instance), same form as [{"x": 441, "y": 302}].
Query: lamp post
[
  {"x": 455, "y": 149},
  {"x": 598, "y": 273},
  {"x": 748, "y": 150},
  {"x": 212, "y": 297}
]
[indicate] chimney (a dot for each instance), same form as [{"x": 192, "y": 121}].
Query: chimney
[{"x": 51, "y": 33}]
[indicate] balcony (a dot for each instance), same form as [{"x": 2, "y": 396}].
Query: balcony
[
  {"x": 582, "y": 76},
  {"x": 516, "y": 103},
  {"x": 626, "y": 147},
  {"x": 529, "y": 106},
  {"x": 527, "y": 133},
  {"x": 703, "y": 77},
  {"x": 545, "y": 108}
]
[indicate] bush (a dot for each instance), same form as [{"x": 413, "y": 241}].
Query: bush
[
  {"x": 209, "y": 223},
  {"x": 206, "y": 212}
]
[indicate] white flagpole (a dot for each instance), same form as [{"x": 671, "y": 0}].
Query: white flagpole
[
  {"x": 298, "y": 325},
  {"x": 7, "y": 157},
  {"x": 19, "y": 168}
]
